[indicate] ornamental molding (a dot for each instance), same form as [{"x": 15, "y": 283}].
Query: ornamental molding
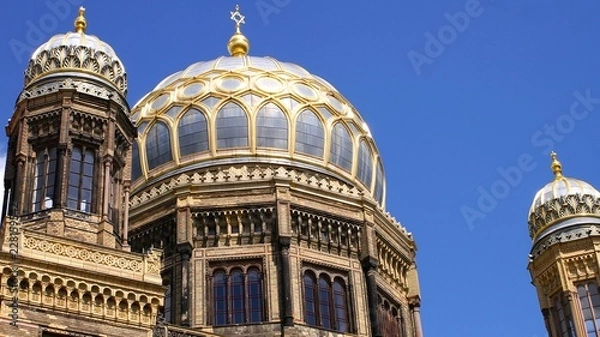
[
  {"x": 244, "y": 173},
  {"x": 77, "y": 255},
  {"x": 392, "y": 264},
  {"x": 77, "y": 58},
  {"x": 561, "y": 208},
  {"x": 77, "y": 85},
  {"x": 549, "y": 280},
  {"x": 581, "y": 267},
  {"x": 573, "y": 234}
]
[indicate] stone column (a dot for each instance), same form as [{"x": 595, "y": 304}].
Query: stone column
[
  {"x": 286, "y": 301},
  {"x": 107, "y": 187},
  {"x": 415, "y": 304},
  {"x": 369, "y": 265},
  {"x": 185, "y": 251},
  {"x": 125, "y": 217}
]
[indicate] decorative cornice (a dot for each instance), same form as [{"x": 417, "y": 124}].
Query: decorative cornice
[
  {"x": 244, "y": 173},
  {"x": 73, "y": 84}
]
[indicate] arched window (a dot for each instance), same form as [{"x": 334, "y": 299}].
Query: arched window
[
  {"x": 158, "y": 145},
  {"x": 237, "y": 296},
  {"x": 341, "y": 147},
  {"x": 193, "y": 134},
  {"x": 390, "y": 318},
  {"x": 310, "y": 134},
  {"x": 81, "y": 178},
  {"x": 236, "y": 289},
  {"x": 136, "y": 167},
  {"x": 365, "y": 164},
  {"x": 271, "y": 127},
  {"x": 564, "y": 316},
  {"x": 379, "y": 181},
  {"x": 590, "y": 305},
  {"x": 220, "y": 298},
  {"x": 232, "y": 127},
  {"x": 325, "y": 303},
  {"x": 255, "y": 296},
  {"x": 45, "y": 176},
  {"x": 310, "y": 299},
  {"x": 340, "y": 305}
]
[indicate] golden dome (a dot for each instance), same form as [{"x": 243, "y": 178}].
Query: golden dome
[
  {"x": 77, "y": 52},
  {"x": 561, "y": 199},
  {"x": 252, "y": 110}
]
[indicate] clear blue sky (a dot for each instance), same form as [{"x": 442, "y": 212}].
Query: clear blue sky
[{"x": 497, "y": 93}]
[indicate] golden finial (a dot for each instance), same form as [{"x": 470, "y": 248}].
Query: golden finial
[
  {"x": 556, "y": 166},
  {"x": 238, "y": 44},
  {"x": 80, "y": 21}
]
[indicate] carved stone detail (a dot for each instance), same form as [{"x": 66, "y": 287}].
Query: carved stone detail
[
  {"x": 581, "y": 267},
  {"x": 392, "y": 266},
  {"x": 563, "y": 207},
  {"x": 77, "y": 57},
  {"x": 549, "y": 280}
]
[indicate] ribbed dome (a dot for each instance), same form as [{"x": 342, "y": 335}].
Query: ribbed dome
[
  {"x": 77, "y": 52},
  {"x": 562, "y": 198},
  {"x": 254, "y": 109}
]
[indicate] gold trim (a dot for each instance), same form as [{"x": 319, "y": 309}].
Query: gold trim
[{"x": 80, "y": 22}]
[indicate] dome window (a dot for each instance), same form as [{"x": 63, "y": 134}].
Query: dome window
[
  {"x": 232, "y": 127},
  {"x": 310, "y": 134},
  {"x": 379, "y": 181},
  {"x": 136, "y": 168},
  {"x": 158, "y": 145},
  {"x": 341, "y": 147},
  {"x": 193, "y": 133},
  {"x": 271, "y": 127},
  {"x": 365, "y": 164}
]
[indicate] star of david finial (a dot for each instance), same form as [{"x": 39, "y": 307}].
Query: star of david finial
[{"x": 238, "y": 18}]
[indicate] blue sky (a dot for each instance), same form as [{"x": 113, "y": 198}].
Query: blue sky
[{"x": 465, "y": 99}]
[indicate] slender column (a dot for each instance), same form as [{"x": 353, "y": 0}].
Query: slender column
[
  {"x": 185, "y": 251},
  {"x": 288, "y": 316},
  {"x": 60, "y": 191},
  {"x": 370, "y": 269},
  {"x": 125, "y": 217},
  {"x": 415, "y": 306},
  {"x": 19, "y": 205}
]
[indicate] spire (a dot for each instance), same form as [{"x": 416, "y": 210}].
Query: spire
[
  {"x": 80, "y": 22},
  {"x": 238, "y": 44},
  {"x": 556, "y": 166}
]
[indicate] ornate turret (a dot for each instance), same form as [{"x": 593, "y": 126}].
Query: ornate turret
[
  {"x": 564, "y": 223},
  {"x": 70, "y": 139}
]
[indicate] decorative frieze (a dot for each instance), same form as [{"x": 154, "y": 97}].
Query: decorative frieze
[
  {"x": 561, "y": 208},
  {"x": 325, "y": 234},
  {"x": 234, "y": 226}
]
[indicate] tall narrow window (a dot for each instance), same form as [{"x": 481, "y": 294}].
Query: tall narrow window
[
  {"x": 379, "y": 182},
  {"x": 236, "y": 284},
  {"x": 45, "y": 174},
  {"x": 167, "y": 308},
  {"x": 564, "y": 317},
  {"x": 390, "y": 318},
  {"x": 341, "y": 147},
  {"x": 158, "y": 145},
  {"x": 193, "y": 134},
  {"x": 255, "y": 296},
  {"x": 365, "y": 164},
  {"x": 220, "y": 298},
  {"x": 232, "y": 127},
  {"x": 310, "y": 134},
  {"x": 340, "y": 305},
  {"x": 590, "y": 304},
  {"x": 136, "y": 167},
  {"x": 271, "y": 127},
  {"x": 81, "y": 179},
  {"x": 310, "y": 299},
  {"x": 325, "y": 302}
]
